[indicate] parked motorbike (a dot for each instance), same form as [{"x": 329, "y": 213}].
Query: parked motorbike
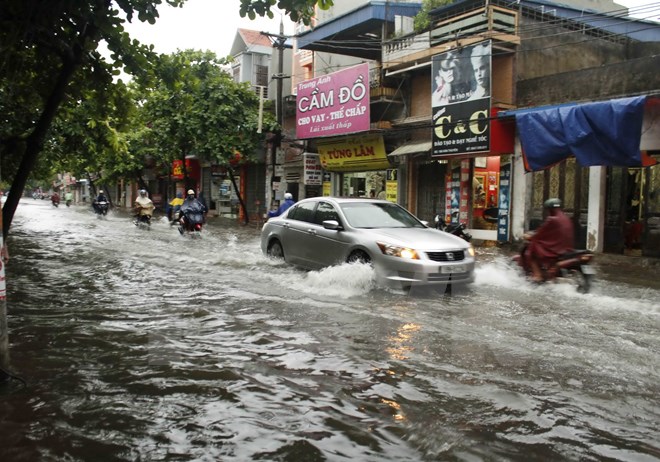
[
  {"x": 457, "y": 229},
  {"x": 101, "y": 208},
  {"x": 190, "y": 223},
  {"x": 572, "y": 265}
]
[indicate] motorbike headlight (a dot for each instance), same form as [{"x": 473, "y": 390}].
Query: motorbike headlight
[
  {"x": 471, "y": 251},
  {"x": 397, "y": 251}
]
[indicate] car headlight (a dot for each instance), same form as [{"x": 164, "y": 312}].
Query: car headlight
[
  {"x": 397, "y": 251},
  {"x": 471, "y": 251}
]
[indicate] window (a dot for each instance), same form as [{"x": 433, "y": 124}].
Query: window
[
  {"x": 324, "y": 212},
  {"x": 303, "y": 212}
]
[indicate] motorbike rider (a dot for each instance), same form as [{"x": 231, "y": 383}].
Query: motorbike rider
[
  {"x": 143, "y": 205},
  {"x": 191, "y": 205},
  {"x": 100, "y": 198},
  {"x": 174, "y": 206},
  {"x": 55, "y": 199},
  {"x": 553, "y": 238},
  {"x": 68, "y": 198},
  {"x": 288, "y": 202}
]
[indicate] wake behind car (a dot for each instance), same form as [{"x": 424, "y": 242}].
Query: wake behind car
[{"x": 325, "y": 231}]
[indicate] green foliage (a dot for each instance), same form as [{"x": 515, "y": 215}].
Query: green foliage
[
  {"x": 297, "y": 10},
  {"x": 422, "y": 20},
  {"x": 195, "y": 107}
]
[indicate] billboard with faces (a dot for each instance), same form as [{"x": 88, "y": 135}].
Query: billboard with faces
[{"x": 460, "y": 99}]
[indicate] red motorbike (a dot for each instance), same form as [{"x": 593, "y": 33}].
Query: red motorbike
[
  {"x": 574, "y": 265},
  {"x": 190, "y": 222}
]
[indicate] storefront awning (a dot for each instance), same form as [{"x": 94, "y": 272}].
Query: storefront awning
[
  {"x": 413, "y": 147},
  {"x": 605, "y": 133}
]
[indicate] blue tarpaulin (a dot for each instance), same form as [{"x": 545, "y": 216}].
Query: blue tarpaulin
[{"x": 604, "y": 133}]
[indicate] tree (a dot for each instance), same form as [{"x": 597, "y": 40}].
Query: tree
[
  {"x": 297, "y": 10},
  {"x": 193, "y": 106},
  {"x": 50, "y": 52},
  {"x": 422, "y": 20}
]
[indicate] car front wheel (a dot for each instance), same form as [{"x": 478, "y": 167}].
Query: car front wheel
[
  {"x": 275, "y": 250},
  {"x": 359, "y": 256}
]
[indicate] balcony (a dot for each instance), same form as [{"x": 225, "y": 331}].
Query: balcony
[{"x": 459, "y": 28}]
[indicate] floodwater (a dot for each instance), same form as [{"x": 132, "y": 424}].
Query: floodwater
[{"x": 146, "y": 345}]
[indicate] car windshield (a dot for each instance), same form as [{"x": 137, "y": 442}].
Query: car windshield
[{"x": 378, "y": 215}]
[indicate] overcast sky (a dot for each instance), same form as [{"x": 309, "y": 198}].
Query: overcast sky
[
  {"x": 201, "y": 25},
  {"x": 211, "y": 24}
]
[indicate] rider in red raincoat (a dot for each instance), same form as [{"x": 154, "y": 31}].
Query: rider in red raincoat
[{"x": 553, "y": 238}]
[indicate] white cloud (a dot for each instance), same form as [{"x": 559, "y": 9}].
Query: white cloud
[{"x": 201, "y": 25}]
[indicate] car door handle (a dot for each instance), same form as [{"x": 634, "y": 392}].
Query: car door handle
[{"x": 311, "y": 231}]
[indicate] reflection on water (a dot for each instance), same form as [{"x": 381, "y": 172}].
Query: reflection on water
[{"x": 144, "y": 345}]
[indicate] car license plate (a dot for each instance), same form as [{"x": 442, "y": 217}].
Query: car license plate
[
  {"x": 588, "y": 269},
  {"x": 453, "y": 269}
]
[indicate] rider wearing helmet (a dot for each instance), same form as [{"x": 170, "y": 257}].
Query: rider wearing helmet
[
  {"x": 192, "y": 205},
  {"x": 288, "y": 202},
  {"x": 553, "y": 238},
  {"x": 100, "y": 198}
]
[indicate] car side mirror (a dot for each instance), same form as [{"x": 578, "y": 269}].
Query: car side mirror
[{"x": 332, "y": 224}]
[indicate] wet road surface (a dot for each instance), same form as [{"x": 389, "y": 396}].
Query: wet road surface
[{"x": 145, "y": 345}]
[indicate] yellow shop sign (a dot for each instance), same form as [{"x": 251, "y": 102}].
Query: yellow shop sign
[{"x": 355, "y": 154}]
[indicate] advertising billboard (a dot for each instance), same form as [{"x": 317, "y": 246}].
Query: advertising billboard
[
  {"x": 333, "y": 104},
  {"x": 460, "y": 99}
]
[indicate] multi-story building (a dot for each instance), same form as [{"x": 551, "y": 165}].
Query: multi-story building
[
  {"x": 257, "y": 60},
  {"x": 471, "y": 96}
]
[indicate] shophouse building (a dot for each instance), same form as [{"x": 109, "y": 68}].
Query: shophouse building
[{"x": 458, "y": 98}]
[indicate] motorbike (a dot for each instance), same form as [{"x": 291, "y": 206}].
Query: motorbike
[
  {"x": 190, "y": 222},
  {"x": 457, "y": 229},
  {"x": 143, "y": 216},
  {"x": 575, "y": 265},
  {"x": 143, "y": 221},
  {"x": 55, "y": 201},
  {"x": 101, "y": 208}
]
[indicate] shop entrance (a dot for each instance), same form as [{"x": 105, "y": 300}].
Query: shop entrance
[
  {"x": 632, "y": 220},
  {"x": 364, "y": 184}
]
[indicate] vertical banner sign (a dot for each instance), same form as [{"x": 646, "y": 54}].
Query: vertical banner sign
[
  {"x": 391, "y": 184},
  {"x": 312, "y": 169},
  {"x": 327, "y": 185},
  {"x": 334, "y": 104},
  {"x": 460, "y": 100},
  {"x": 455, "y": 195},
  {"x": 448, "y": 196},
  {"x": 465, "y": 190},
  {"x": 504, "y": 201}
]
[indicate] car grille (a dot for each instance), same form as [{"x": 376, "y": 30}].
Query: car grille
[{"x": 455, "y": 255}]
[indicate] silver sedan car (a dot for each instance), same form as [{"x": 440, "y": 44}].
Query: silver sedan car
[{"x": 325, "y": 231}]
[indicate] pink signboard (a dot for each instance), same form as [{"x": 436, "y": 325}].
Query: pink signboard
[{"x": 334, "y": 104}]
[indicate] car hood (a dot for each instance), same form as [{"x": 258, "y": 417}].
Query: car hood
[{"x": 419, "y": 238}]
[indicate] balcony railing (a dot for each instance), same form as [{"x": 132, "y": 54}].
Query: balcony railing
[{"x": 490, "y": 22}]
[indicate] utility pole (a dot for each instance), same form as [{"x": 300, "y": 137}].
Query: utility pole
[{"x": 278, "y": 42}]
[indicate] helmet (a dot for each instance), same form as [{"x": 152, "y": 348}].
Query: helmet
[
  {"x": 100, "y": 191},
  {"x": 190, "y": 191},
  {"x": 553, "y": 203},
  {"x": 143, "y": 192},
  {"x": 288, "y": 196}
]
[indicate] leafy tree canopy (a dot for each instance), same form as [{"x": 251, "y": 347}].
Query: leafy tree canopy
[{"x": 297, "y": 10}]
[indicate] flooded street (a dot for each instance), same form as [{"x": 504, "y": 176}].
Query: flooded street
[{"x": 146, "y": 345}]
